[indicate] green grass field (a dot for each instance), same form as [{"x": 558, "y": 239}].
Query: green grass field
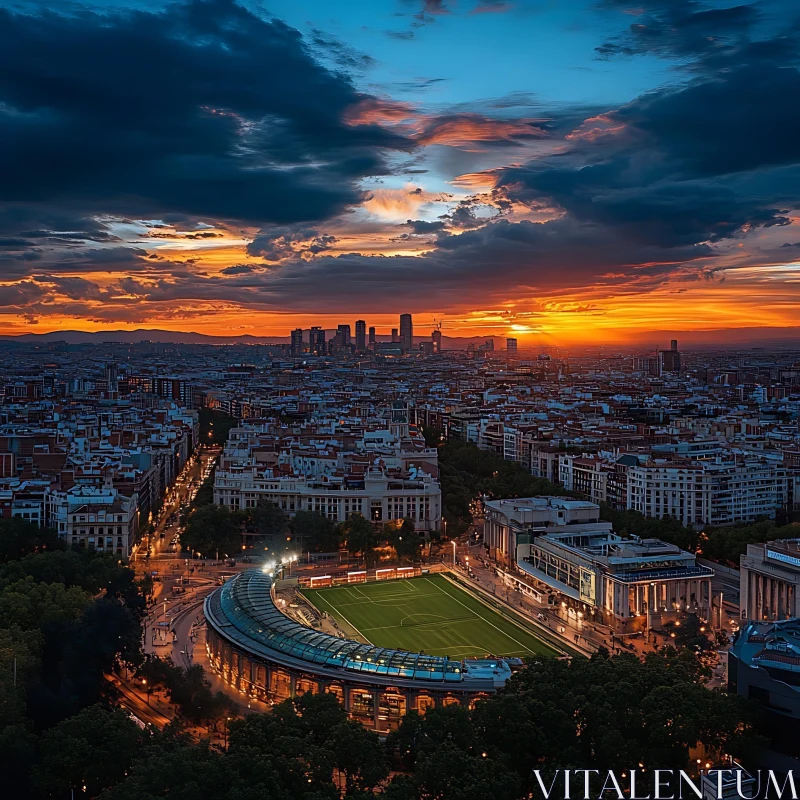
[{"x": 426, "y": 614}]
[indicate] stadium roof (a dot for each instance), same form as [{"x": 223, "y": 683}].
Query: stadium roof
[{"x": 244, "y": 612}]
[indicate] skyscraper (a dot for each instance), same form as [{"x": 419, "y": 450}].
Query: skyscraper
[
  {"x": 316, "y": 341},
  {"x": 406, "y": 332},
  {"x": 511, "y": 348},
  {"x": 297, "y": 341},
  {"x": 343, "y": 332},
  {"x": 395, "y": 335},
  {"x": 372, "y": 338},
  {"x": 436, "y": 336},
  {"x": 361, "y": 335},
  {"x": 669, "y": 360}
]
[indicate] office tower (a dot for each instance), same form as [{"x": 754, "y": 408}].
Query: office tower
[
  {"x": 436, "y": 336},
  {"x": 511, "y": 348},
  {"x": 669, "y": 360},
  {"x": 297, "y": 341},
  {"x": 316, "y": 341},
  {"x": 361, "y": 335},
  {"x": 343, "y": 332},
  {"x": 372, "y": 338},
  {"x": 489, "y": 346},
  {"x": 395, "y": 336},
  {"x": 406, "y": 332},
  {"x": 112, "y": 377}
]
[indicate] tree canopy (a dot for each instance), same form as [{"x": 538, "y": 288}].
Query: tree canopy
[{"x": 212, "y": 529}]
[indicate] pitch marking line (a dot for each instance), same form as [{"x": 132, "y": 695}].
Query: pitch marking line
[{"x": 488, "y": 622}]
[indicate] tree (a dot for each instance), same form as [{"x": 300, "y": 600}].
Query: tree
[
  {"x": 19, "y": 537},
  {"x": 308, "y": 739},
  {"x": 30, "y": 604},
  {"x": 359, "y": 535},
  {"x": 107, "y": 632},
  {"x": 215, "y": 426},
  {"x": 181, "y": 771},
  {"x": 690, "y": 633},
  {"x": 269, "y": 520},
  {"x": 405, "y": 540},
  {"x": 188, "y": 688},
  {"x": 432, "y": 436},
  {"x": 314, "y": 531},
  {"x": 212, "y": 529},
  {"x": 466, "y": 473},
  {"x": 94, "y": 749},
  {"x": 609, "y": 711}
]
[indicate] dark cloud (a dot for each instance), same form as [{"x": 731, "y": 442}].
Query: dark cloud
[
  {"x": 703, "y": 37},
  {"x": 201, "y": 109},
  {"x": 238, "y": 269},
  {"x": 421, "y": 226},
  {"x": 677, "y": 166},
  {"x": 475, "y": 266},
  {"x": 278, "y": 245}
]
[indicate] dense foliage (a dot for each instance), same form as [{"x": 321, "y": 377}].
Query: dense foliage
[
  {"x": 212, "y": 530},
  {"x": 467, "y": 474},
  {"x": 603, "y": 712},
  {"x": 215, "y": 426},
  {"x": 66, "y": 618}
]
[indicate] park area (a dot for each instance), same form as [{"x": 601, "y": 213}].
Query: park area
[{"x": 427, "y": 614}]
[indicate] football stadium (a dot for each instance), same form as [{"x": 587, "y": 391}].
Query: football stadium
[
  {"x": 429, "y": 614},
  {"x": 404, "y": 644}
]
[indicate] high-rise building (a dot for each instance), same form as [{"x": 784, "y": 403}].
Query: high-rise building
[
  {"x": 112, "y": 376},
  {"x": 406, "y": 332},
  {"x": 395, "y": 336},
  {"x": 511, "y": 348},
  {"x": 669, "y": 360},
  {"x": 316, "y": 341},
  {"x": 436, "y": 336},
  {"x": 297, "y": 341},
  {"x": 343, "y": 332},
  {"x": 361, "y": 335},
  {"x": 372, "y": 338}
]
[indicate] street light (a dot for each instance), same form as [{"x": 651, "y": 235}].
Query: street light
[{"x": 453, "y": 542}]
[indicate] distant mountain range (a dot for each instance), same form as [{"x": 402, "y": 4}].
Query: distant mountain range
[
  {"x": 179, "y": 337},
  {"x": 724, "y": 337}
]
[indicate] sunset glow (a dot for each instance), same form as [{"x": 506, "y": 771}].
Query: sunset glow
[{"x": 609, "y": 188}]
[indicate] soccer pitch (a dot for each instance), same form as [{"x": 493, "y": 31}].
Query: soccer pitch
[{"x": 427, "y": 614}]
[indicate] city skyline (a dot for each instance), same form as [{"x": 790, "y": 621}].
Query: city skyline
[{"x": 554, "y": 172}]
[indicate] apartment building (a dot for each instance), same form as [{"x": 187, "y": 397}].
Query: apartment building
[
  {"x": 708, "y": 493},
  {"x": 97, "y": 518}
]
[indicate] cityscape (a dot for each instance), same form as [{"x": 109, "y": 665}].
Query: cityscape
[{"x": 399, "y": 400}]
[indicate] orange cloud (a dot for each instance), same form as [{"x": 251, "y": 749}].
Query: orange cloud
[
  {"x": 375, "y": 111},
  {"x": 477, "y": 181},
  {"x": 595, "y": 128},
  {"x": 399, "y": 204},
  {"x": 463, "y": 130}
]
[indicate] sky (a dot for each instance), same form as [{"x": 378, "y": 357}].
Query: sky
[{"x": 562, "y": 171}]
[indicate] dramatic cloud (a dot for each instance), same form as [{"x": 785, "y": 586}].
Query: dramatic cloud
[
  {"x": 675, "y": 167},
  {"x": 222, "y": 164},
  {"x": 201, "y": 109}
]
